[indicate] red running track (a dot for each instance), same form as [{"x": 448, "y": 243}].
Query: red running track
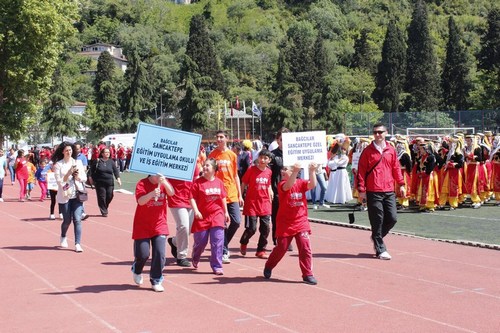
[{"x": 428, "y": 286}]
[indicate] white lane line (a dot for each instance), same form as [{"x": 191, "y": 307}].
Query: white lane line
[
  {"x": 68, "y": 297},
  {"x": 221, "y": 303}
]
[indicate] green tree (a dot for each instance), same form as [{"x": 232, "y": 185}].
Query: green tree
[
  {"x": 299, "y": 56},
  {"x": 197, "y": 101},
  {"x": 489, "y": 56},
  {"x": 389, "y": 80},
  {"x": 32, "y": 35},
  {"x": 422, "y": 78},
  {"x": 455, "y": 79},
  {"x": 106, "y": 96},
  {"x": 57, "y": 118},
  {"x": 201, "y": 50},
  {"x": 363, "y": 53}
]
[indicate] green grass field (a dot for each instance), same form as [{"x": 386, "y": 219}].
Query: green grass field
[{"x": 463, "y": 224}]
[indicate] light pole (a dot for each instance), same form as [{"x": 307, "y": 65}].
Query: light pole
[{"x": 161, "y": 108}]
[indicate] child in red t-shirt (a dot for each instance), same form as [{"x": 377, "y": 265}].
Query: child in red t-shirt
[
  {"x": 292, "y": 221},
  {"x": 150, "y": 228},
  {"x": 208, "y": 199},
  {"x": 257, "y": 180}
]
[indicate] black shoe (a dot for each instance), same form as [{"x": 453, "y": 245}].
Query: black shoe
[
  {"x": 173, "y": 248},
  {"x": 183, "y": 263},
  {"x": 310, "y": 280},
  {"x": 267, "y": 273}
]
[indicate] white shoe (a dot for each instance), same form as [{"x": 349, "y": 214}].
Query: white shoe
[
  {"x": 385, "y": 256},
  {"x": 225, "y": 259},
  {"x": 1, "y": 200},
  {"x": 64, "y": 242},
  {"x": 158, "y": 287},
  {"x": 476, "y": 205},
  {"x": 325, "y": 206},
  {"x": 138, "y": 279},
  {"x": 78, "y": 248},
  {"x": 61, "y": 216},
  {"x": 315, "y": 207},
  {"x": 52, "y": 217}
]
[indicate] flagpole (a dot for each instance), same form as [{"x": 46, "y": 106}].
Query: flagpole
[
  {"x": 225, "y": 116},
  {"x": 260, "y": 118},
  {"x": 253, "y": 123},
  {"x": 244, "y": 120},
  {"x": 238, "y": 123}
]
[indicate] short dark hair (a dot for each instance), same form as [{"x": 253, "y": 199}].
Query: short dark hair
[
  {"x": 265, "y": 152},
  {"x": 379, "y": 125}
]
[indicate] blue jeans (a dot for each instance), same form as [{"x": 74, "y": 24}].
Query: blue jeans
[
  {"x": 233, "y": 209},
  {"x": 12, "y": 174},
  {"x": 322, "y": 184},
  {"x": 1, "y": 187},
  {"x": 72, "y": 211},
  {"x": 141, "y": 255},
  {"x": 382, "y": 213}
]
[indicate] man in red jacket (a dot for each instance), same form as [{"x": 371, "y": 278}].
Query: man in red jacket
[{"x": 378, "y": 171}]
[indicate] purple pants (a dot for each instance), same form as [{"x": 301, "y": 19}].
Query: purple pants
[{"x": 216, "y": 246}]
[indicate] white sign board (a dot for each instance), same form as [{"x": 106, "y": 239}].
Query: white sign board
[
  {"x": 168, "y": 151},
  {"x": 304, "y": 148}
]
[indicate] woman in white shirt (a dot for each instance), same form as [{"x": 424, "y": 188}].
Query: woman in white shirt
[{"x": 70, "y": 175}]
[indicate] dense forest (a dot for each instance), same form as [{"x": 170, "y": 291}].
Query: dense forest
[{"x": 307, "y": 64}]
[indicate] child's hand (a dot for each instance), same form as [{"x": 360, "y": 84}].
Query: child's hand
[
  {"x": 313, "y": 166},
  {"x": 296, "y": 167},
  {"x": 198, "y": 215}
]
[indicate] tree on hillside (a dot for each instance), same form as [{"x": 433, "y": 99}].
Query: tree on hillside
[
  {"x": 363, "y": 53},
  {"x": 106, "y": 96},
  {"x": 455, "y": 79},
  {"x": 149, "y": 73},
  {"x": 57, "y": 118},
  {"x": 389, "y": 79},
  {"x": 32, "y": 35},
  {"x": 422, "y": 75},
  {"x": 325, "y": 100},
  {"x": 201, "y": 51},
  {"x": 286, "y": 108},
  {"x": 299, "y": 56},
  {"x": 489, "y": 56},
  {"x": 197, "y": 100}
]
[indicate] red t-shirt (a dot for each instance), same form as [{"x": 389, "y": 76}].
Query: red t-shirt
[
  {"x": 150, "y": 220},
  {"x": 22, "y": 168},
  {"x": 120, "y": 153},
  {"x": 257, "y": 201},
  {"x": 292, "y": 212},
  {"x": 182, "y": 194},
  {"x": 208, "y": 195}
]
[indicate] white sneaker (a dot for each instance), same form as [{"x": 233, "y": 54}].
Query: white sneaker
[
  {"x": 1, "y": 200},
  {"x": 385, "y": 256},
  {"x": 325, "y": 206},
  {"x": 225, "y": 259},
  {"x": 52, "y": 217},
  {"x": 315, "y": 207},
  {"x": 138, "y": 278},
  {"x": 476, "y": 205},
  {"x": 64, "y": 242},
  {"x": 78, "y": 248},
  {"x": 61, "y": 216},
  {"x": 158, "y": 287}
]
